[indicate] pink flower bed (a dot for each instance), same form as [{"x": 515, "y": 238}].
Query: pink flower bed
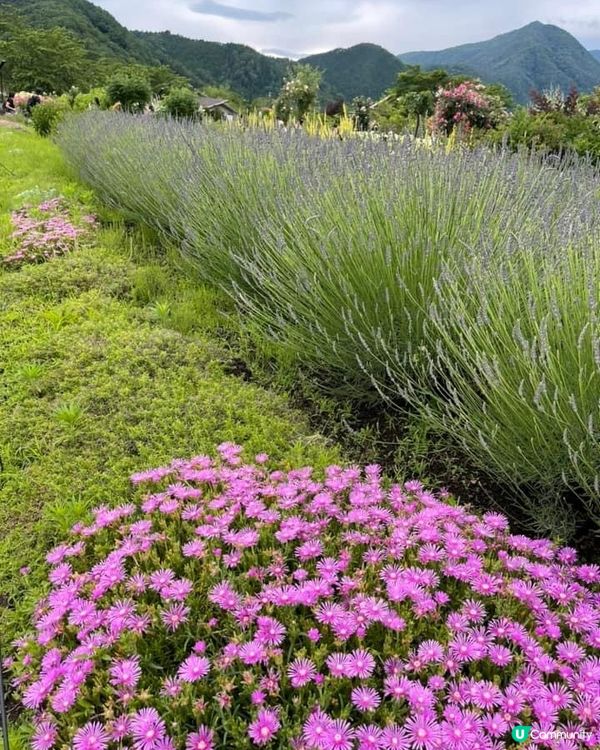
[
  {"x": 237, "y": 606},
  {"x": 44, "y": 232}
]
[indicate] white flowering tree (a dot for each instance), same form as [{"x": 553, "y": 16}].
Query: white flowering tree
[{"x": 298, "y": 93}]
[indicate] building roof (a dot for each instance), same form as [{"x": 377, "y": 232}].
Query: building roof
[{"x": 207, "y": 102}]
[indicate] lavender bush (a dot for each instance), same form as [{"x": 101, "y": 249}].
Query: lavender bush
[
  {"x": 460, "y": 286},
  {"x": 240, "y": 606}
]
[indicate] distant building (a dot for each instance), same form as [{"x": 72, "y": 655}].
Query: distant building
[{"x": 219, "y": 109}]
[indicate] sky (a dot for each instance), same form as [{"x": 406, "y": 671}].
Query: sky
[{"x": 301, "y": 27}]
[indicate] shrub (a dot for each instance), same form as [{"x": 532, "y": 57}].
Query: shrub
[
  {"x": 133, "y": 93},
  {"x": 237, "y": 605},
  {"x": 181, "y": 103},
  {"x": 47, "y": 115},
  {"x": 372, "y": 261},
  {"x": 553, "y": 131},
  {"x": 466, "y": 107},
  {"x": 90, "y": 100}
]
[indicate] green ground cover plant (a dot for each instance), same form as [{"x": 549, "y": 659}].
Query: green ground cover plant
[
  {"x": 456, "y": 286},
  {"x": 96, "y": 384}
]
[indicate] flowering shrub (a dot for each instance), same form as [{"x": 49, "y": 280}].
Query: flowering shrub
[
  {"x": 298, "y": 94},
  {"x": 44, "y": 232},
  {"x": 465, "y": 106},
  {"x": 236, "y": 606}
]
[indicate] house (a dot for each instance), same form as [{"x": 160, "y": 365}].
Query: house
[{"x": 218, "y": 109}]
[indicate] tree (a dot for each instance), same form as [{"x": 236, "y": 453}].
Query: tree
[
  {"x": 181, "y": 103},
  {"x": 298, "y": 93},
  {"x": 50, "y": 60},
  {"x": 415, "y": 90},
  {"x": 161, "y": 78},
  {"x": 132, "y": 92}
]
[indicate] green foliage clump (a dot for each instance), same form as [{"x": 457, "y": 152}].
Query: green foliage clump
[
  {"x": 133, "y": 93},
  {"x": 555, "y": 130},
  {"x": 181, "y": 102},
  {"x": 96, "y": 98},
  {"x": 361, "y": 108},
  {"x": 47, "y": 116},
  {"x": 99, "y": 32}
]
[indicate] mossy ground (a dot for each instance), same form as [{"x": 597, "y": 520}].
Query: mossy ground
[{"x": 111, "y": 361}]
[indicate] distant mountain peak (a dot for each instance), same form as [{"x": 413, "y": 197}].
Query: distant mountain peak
[
  {"x": 535, "y": 56},
  {"x": 365, "y": 69}
]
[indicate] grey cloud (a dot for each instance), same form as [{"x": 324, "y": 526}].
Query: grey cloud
[{"x": 212, "y": 8}]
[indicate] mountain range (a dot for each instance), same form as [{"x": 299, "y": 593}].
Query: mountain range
[{"x": 537, "y": 56}]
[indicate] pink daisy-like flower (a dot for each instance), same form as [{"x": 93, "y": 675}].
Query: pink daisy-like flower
[
  {"x": 194, "y": 668},
  {"x": 252, "y": 653},
  {"x": 301, "y": 672},
  {"x": 147, "y": 728},
  {"x": 174, "y": 616},
  {"x": 424, "y": 732},
  {"x": 365, "y": 699},
  {"x": 266, "y": 725},
  {"x": 270, "y": 631},
  {"x": 203, "y": 739},
  {"x": 120, "y": 728},
  {"x": 316, "y": 728},
  {"x": 92, "y": 736},
  {"x": 369, "y": 737},
  {"x": 45, "y": 736},
  {"x": 338, "y": 664},
  {"x": 171, "y": 688},
  {"x": 395, "y": 738},
  {"x": 339, "y": 736},
  {"x": 125, "y": 673},
  {"x": 360, "y": 664}
]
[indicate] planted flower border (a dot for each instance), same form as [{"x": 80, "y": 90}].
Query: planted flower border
[{"x": 236, "y": 605}]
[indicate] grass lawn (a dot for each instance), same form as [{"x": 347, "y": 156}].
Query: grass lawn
[{"x": 110, "y": 362}]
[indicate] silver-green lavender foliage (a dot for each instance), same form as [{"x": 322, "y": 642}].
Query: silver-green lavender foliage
[{"x": 461, "y": 286}]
